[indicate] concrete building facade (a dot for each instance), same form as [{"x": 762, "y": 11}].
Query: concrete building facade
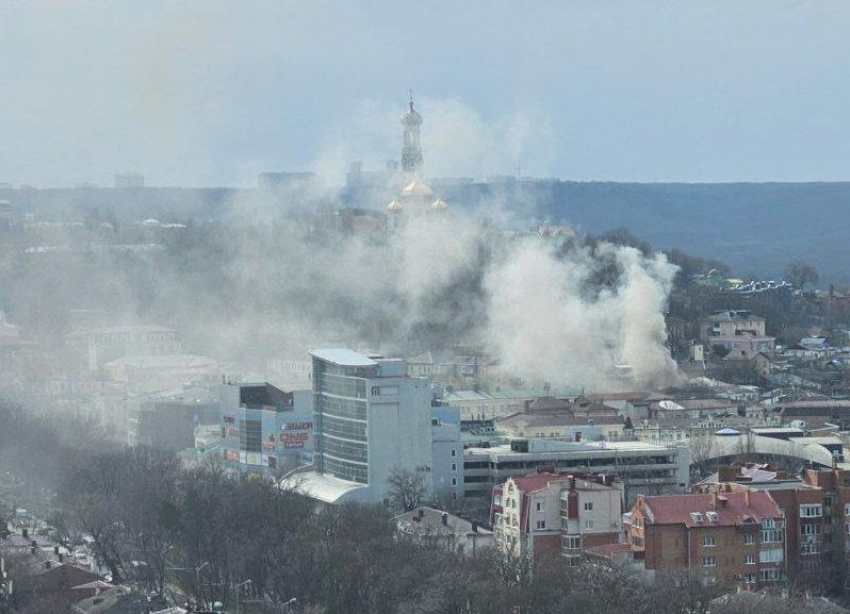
[
  {"x": 545, "y": 514},
  {"x": 644, "y": 468}
]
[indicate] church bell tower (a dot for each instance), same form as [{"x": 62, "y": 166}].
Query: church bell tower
[{"x": 411, "y": 153}]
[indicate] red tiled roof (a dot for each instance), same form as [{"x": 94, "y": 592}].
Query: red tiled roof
[
  {"x": 535, "y": 482},
  {"x": 677, "y": 509}
]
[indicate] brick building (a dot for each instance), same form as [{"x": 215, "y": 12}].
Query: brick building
[
  {"x": 816, "y": 510},
  {"x": 721, "y": 538},
  {"x": 547, "y": 514}
]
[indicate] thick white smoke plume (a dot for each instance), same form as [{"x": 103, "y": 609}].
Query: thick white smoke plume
[{"x": 545, "y": 324}]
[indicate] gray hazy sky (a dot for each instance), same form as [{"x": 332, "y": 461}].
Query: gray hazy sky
[{"x": 210, "y": 93}]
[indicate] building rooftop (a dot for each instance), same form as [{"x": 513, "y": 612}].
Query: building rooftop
[
  {"x": 429, "y": 521},
  {"x": 322, "y": 487},
  {"x": 343, "y": 357},
  {"x": 165, "y": 361},
  {"x": 524, "y": 420},
  {"x": 733, "y": 315},
  {"x": 726, "y": 509}
]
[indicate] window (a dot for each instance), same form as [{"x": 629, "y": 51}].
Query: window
[
  {"x": 749, "y": 578},
  {"x": 768, "y": 523},
  {"x": 808, "y": 548},
  {"x": 588, "y": 506},
  {"x": 810, "y": 529},
  {"x": 749, "y": 539},
  {"x": 454, "y": 467},
  {"x": 709, "y": 561},
  {"x": 708, "y": 542},
  {"x": 771, "y": 536},
  {"x": 588, "y": 524},
  {"x": 769, "y": 575},
  {"x": 750, "y": 559},
  {"x": 541, "y": 525},
  {"x": 454, "y": 481},
  {"x": 539, "y": 506},
  {"x": 454, "y": 452},
  {"x": 772, "y": 555},
  {"x": 811, "y": 510},
  {"x": 571, "y": 542},
  {"x": 847, "y": 509}
]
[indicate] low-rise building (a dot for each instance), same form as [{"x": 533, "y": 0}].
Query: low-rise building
[
  {"x": 102, "y": 345},
  {"x": 562, "y": 426},
  {"x": 546, "y": 514},
  {"x": 739, "y": 332},
  {"x": 434, "y": 527},
  {"x": 643, "y": 467}
]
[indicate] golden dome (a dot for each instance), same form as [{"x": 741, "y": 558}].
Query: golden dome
[{"x": 417, "y": 188}]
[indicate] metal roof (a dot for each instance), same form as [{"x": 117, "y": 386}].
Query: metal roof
[{"x": 343, "y": 357}]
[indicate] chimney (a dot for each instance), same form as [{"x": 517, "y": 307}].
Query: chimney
[
  {"x": 26, "y": 533},
  {"x": 32, "y": 550},
  {"x": 474, "y": 527},
  {"x": 747, "y": 497},
  {"x": 61, "y": 558},
  {"x": 47, "y": 564},
  {"x": 421, "y": 513},
  {"x": 34, "y": 543},
  {"x": 445, "y": 519},
  {"x": 55, "y": 549}
]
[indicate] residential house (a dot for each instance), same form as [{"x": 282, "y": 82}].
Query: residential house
[
  {"x": 720, "y": 538},
  {"x": 739, "y": 332},
  {"x": 547, "y": 514},
  {"x": 434, "y": 527}
]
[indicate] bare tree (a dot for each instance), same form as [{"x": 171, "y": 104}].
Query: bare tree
[
  {"x": 799, "y": 274},
  {"x": 702, "y": 451},
  {"x": 406, "y": 490}
]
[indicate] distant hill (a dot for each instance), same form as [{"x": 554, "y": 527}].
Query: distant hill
[{"x": 754, "y": 227}]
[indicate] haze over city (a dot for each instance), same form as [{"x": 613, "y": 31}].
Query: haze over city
[
  {"x": 424, "y": 308},
  {"x": 211, "y": 93}
]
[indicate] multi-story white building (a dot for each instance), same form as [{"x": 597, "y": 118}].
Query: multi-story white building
[{"x": 370, "y": 421}]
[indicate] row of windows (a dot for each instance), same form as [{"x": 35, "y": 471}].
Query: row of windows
[
  {"x": 344, "y": 428},
  {"x": 767, "y": 575},
  {"x": 342, "y": 407},
  {"x": 765, "y": 556},
  {"x": 344, "y": 470},
  {"x": 347, "y": 450},
  {"x": 342, "y": 386},
  {"x": 811, "y": 510}
]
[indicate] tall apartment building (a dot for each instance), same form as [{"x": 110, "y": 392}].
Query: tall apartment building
[
  {"x": 370, "y": 420},
  {"x": 729, "y": 538},
  {"x": 546, "y": 514}
]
